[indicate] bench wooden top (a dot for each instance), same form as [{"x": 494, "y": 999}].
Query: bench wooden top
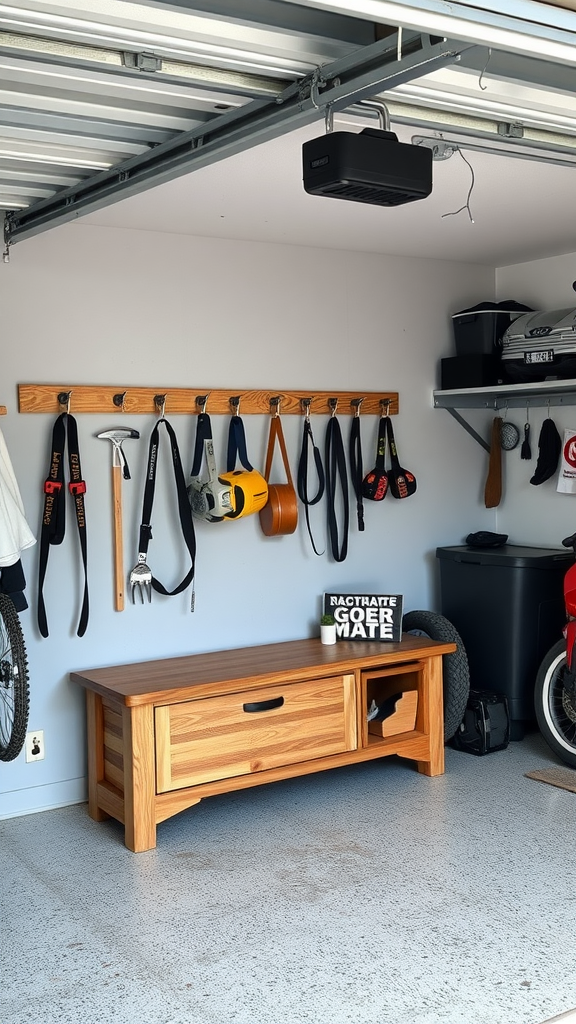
[{"x": 165, "y": 680}]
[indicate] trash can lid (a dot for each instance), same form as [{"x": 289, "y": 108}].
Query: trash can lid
[{"x": 508, "y": 555}]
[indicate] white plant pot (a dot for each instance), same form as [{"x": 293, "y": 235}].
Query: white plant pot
[{"x": 328, "y": 634}]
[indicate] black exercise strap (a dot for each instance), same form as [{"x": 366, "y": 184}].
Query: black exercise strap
[
  {"x": 183, "y": 506},
  {"x": 203, "y": 433},
  {"x": 356, "y": 471},
  {"x": 237, "y": 445},
  {"x": 54, "y": 516},
  {"x": 302, "y": 480},
  {"x": 335, "y": 462}
]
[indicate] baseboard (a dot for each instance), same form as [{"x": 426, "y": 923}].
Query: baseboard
[{"x": 43, "y": 798}]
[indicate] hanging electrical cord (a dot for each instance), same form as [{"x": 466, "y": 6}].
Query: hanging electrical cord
[
  {"x": 484, "y": 69},
  {"x": 466, "y": 206}
]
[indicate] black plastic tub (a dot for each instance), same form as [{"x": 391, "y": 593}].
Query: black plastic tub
[{"x": 507, "y": 604}]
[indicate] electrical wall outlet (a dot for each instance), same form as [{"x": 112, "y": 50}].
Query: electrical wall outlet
[{"x": 34, "y": 746}]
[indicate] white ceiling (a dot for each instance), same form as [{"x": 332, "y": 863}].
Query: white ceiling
[{"x": 522, "y": 209}]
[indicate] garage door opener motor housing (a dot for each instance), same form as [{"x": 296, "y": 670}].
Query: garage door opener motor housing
[{"x": 370, "y": 166}]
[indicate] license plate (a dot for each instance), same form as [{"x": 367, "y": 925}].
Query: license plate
[{"x": 546, "y": 355}]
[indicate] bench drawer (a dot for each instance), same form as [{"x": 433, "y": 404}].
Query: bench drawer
[{"x": 239, "y": 733}]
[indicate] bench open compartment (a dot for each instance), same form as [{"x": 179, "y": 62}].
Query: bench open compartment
[{"x": 394, "y": 692}]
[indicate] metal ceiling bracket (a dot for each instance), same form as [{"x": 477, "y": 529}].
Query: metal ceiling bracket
[{"x": 142, "y": 61}]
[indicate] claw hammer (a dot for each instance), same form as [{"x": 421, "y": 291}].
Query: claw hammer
[{"x": 119, "y": 468}]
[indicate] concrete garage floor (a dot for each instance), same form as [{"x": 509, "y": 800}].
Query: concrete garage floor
[{"x": 367, "y": 894}]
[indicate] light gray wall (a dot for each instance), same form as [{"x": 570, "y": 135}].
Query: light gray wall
[
  {"x": 532, "y": 514},
  {"x": 85, "y": 305}
]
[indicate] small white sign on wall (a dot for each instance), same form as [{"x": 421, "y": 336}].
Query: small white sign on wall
[{"x": 567, "y": 473}]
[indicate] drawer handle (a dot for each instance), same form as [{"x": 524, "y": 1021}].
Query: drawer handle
[{"x": 264, "y": 705}]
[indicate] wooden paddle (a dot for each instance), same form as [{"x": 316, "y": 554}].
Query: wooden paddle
[{"x": 493, "y": 488}]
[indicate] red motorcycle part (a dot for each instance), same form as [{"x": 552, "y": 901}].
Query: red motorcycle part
[
  {"x": 570, "y": 634},
  {"x": 570, "y": 591}
]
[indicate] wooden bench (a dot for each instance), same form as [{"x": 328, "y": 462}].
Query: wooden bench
[{"x": 163, "y": 735}]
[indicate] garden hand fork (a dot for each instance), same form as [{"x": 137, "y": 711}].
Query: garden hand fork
[{"x": 141, "y": 579}]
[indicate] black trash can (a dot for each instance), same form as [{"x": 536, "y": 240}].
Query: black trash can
[{"x": 507, "y": 604}]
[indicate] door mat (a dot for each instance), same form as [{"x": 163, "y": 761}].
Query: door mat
[{"x": 565, "y": 778}]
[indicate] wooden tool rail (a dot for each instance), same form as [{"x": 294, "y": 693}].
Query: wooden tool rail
[
  {"x": 94, "y": 399},
  {"x": 2, "y": 410}
]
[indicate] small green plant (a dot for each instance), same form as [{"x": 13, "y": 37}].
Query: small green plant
[{"x": 327, "y": 620}]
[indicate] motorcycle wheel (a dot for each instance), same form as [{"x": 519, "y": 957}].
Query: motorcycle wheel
[
  {"x": 455, "y": 671},
  {"x": 555, "y": 708}
]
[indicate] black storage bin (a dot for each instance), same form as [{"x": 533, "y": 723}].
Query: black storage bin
[
  {"x": 478, "y": 330},
  {"x": 507, "y": 604},
  {"x": 469, "y": 372}
]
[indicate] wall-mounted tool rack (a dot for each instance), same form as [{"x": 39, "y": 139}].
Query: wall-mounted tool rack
[{"x": 81, "y": 398}]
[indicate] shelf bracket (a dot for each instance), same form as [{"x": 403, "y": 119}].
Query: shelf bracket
[{"x": 468, "y": 428}]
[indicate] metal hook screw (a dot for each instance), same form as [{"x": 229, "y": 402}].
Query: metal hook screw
[
  {"x": 275, "y": 405},
  {"x": 202, "y": 401},
  {"x": 306, "y": 403},
  {"x": 235, "y": 403},
  {"x": 160, "y": 403},
  {"x": 333, "y": 403},
  {"x": 356, "y": 402},
  {"x": 64, "y": 399},
  {"x": 119, "y": 399}
]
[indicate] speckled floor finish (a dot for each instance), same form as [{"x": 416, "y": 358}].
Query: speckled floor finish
[{"x": 368, "y": 894}]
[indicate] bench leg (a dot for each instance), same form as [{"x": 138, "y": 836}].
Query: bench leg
[
  {"x": 95, "y": 742},
  {"x": 430, "y": 715},
  {"x": 139, "y": 778}
]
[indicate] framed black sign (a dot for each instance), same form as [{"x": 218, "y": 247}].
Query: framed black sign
[{"x": 366, "y": 616}]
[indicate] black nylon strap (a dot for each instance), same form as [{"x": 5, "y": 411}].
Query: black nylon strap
[
  {"x": 380, "y": 466},
  {"x": 335, "y": 461},
  {"x": 203, "y": 433},
  {"x": 236, "y": 445},
  {"x": 183, "y": 506},
  {"x": 356, "y": 471},
  {"x": 54, "y": 514},
  {"x": 302, "y": 478},
  {"x": 77, "y": 489}
]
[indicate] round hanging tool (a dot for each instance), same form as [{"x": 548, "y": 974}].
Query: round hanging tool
[{"x": 509, "y": 434}]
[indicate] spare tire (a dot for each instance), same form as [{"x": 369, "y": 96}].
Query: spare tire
[{"x": 455, "y": 672}]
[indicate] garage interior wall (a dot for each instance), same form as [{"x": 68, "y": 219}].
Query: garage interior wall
[
  {"x": 88, "y": 305},
  {"x": 529, "y": 514}
]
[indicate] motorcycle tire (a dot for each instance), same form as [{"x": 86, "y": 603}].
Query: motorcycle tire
[
  {"x": 555, "y": 708},
  {"x": 455, "y": 671}
]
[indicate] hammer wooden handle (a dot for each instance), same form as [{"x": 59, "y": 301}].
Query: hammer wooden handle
[{"x": 118, "y": 540}]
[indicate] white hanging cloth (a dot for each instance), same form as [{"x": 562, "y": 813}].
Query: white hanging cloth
[{"x": 15, "y": 534}]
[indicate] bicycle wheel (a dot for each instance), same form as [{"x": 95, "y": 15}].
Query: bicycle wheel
[
  {"x": 555, "y": 706},
  {"x": 14, "y": 691}
]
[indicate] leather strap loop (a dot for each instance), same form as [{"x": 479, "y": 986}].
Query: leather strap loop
[{"x": 276, "y": 433}]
